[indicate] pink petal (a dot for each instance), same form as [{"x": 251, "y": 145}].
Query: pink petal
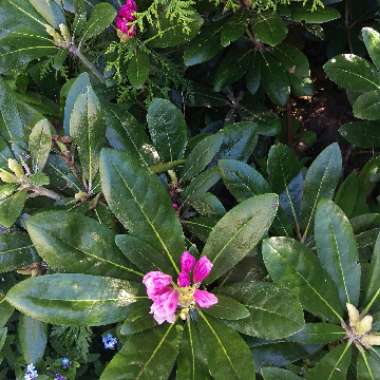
[
  {"x": 165, "y": 306},
  {"x": 183, "y": 279},
  {"x": 187, "y": 262},
  {"x": 202, "y": 269},
  {"x": 205, "y": 299},
  {"x": 156, "y": 283}
]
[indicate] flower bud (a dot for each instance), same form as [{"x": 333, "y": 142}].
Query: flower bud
[
  {"x": 65, "y": 32},
  {"x": 364, "y": 326},
  {"x": 370, "y": 340}
]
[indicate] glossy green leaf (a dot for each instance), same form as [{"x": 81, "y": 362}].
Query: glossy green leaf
[
  {"x": 371, "y": 38},
  {"x": 294, "y": 265},
  {"x": 228, "y": 356},
  {"x": 138, "y": 69},
  {"x": 232, "y": 30},
  {"x": 333, "y": 366},
  {"x": 368, "y": 365},
  {"x": 275, "y": 312},
  {"x": 71, "y": 242},
  {"x": 367, "y": 106},
  {"x": 6, "y": 311},
  {"x": 150, "y": 354},
  {"x": 363, "y": 134},
  {"x": 372, "y": 288},
  {"x": 270, "y": 28},
  {"x": 141, "y": 203},
  {"x": 201, "y": 155},
  {"x": 207, "y": 204},
  {"x": 88, "y": 132},
  {"x": 74, "y": 299},
  {"x": 11, "y": 205},
  {"x": 3, "y": 336},
  {"x": 228, "y": 308},
  {"x": 317, "y": 16},
  {"x": 167, "y": 127},
  {"x": 348, "y": 193},
  {"x": 318, "y": 333},
  {"x": 242, "y": 180},
  {"x": 40, "y": 144},
  {"x": 253, "y": 78},
  {"x": 272, "y": 373},
  {"x": 32, "y": 336},
  {"x": 50, "y": 10},
  {"x": 321, "y": 180},
  {"x": 102, "y": 16},
  {"x": 238, "y": 233},
  {"x": 138, "y": 318},
  {"x": 292, "y": 59},
  {"x": 352, "y": 72},
  {"x": 16, "y": 251},
  {"x": 337, "y": 250}
]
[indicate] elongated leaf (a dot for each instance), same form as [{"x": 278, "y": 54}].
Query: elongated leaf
[
  {"x": 191, "y": 364},
  {"x": 363, "y": 134},
  {"x": 368, "y": 365},
  {"x": 16, "y": 251},
  {"x": 315, "y": 16},
  {"x": 74, "y": 299},
  {"x": 228, "y": 308},
  {"x": 275, "y": 312},
  {"x": 352, "y": 73},
  {"x": 138, "y": 318},
  {"x": 207, "y": 204},
  {"x": 294, "y": 265},
  {"x": 3, "y": 336},
  {"x": 272, "y": 373},
  {"x": 147, "y": 355},
  {"x": 50, "y": 11},
  {"x": 72, "y": 242},
  {"x": 320, "y": 182},
  {"x": 228, "y": 356},
  {"x": 372, "y": 291},
  {"x": 201, "y": 156},
  {"x": 371, "y": 38},
  {"x": 337, "y": 250},
  {"x": 270, "y": 28},
  {"x": 238, "y": 233},
  {"x": 138, "y": 69},
  {"x": 293, "y": 59},
  {"x": 32, "y": 336},
  {"x": 11, "y": 205},
  {"x": 242, "y": 180},
  {"x": 102, "y": 16},
  {"x": 88, "y": 132},
  {"x": 141, "y": 203},
  {"x": 367, "y": 106},
  {"x": 40, "y": 143},
  {"x": 318, "y": 333},
  {"x": 348, "y": 192},
  {"x": 168, "y": 130},
  {"x": 333, "y": 366}
]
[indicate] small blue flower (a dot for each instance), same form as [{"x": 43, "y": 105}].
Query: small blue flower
[
  {"x": 31, "y": 372},
  {"x": 109, "y": 342},
  {"x": 65, "y": 362},
  {"x": 58, "y": 376}
]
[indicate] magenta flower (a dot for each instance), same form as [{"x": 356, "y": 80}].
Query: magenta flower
[
  {"x": 167, "y": 296},
  {"x": 125, "y": 16}
]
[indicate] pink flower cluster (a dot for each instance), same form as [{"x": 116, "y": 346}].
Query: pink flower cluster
[
  {"x": 125, "y": 16},
  {"x": 167, "y": 296}
]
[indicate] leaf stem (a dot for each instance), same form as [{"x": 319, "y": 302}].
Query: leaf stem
[
  {"x": 165, "y": 166},
  {"x": 42, "y": 191}
]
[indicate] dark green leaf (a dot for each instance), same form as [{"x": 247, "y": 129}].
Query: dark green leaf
[
  {"x": 40, "y": 143},
  {"x": 11, "y": 204},
  {"x": 292, "y": 59},
  {"x": 318, "y": 333},
  {"x": 138, "y": 69},
  {"x": 317, "y": 16},
  {"x": 270, "y": 28},
  {"x": 253, "y": 79},
  {"x": 367, "y": 106},
  {"x": 347, "y": 194},
  {"x": 50, "y": 11},
  {"x": 368, "y": 365},
  {"x": 272, "y": 373},
  {"x": 138, "y": 318},
  {"x": 371, "y": 38},
  {"x": 228, "y": 308},
  {"x": 372, "y": 289},
  {"x": 363, "y": 134}
]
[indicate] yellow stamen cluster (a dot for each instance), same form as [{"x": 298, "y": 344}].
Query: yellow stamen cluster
[{"x": 186, "y": 300}]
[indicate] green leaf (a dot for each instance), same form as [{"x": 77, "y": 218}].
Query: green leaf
[
  {"x": 270, "y": 29},
  {"x": 16, "y": 251},
  {"x": 138, "y": 69},
  {"x": 228, "y": 308},
  {"x": 71, "y": 242},
  {"x": 167, "y": 127},
  {"x": 367, "y": 106},
  {"x": 32, "y": 336},
  {"x": 275, "y": 80},
  {"x": 238, "y": 233},
  {"x": 141, "y": 203},
  {"x": 207, "y": 204},
  {"x": 201, "y": 155},
  {"x": 363, "y": 134},
  {"x": 272, "y": 373},
  {"x": 348, "y": 192},
  {"x": 78, "y": 87},
  {"x": 11, "y": 204},
  {"x": 317, "y": 16},
  {"x": 74, "y": 299},
  {"x": 3, "y": 337},
  {"x": 242, "y": 180},
  {"x": 334, "y": 365},
  {"x": 50, "y": 11},
  {"x": 275, "y": 312},
  {"x": 253, "y": 78},
  {"x": 88, "y": 132},
  {"x": 371, "y": 39},
  {"x": 292, "y": 59},
  {"x": 294, "y": 265},
  {"x": 321, "y": 180},
  {"x": 318, "y": 333},
  {"x": 6, "y": 311},
  {"x": 372, "y": 288},
  {"x": 233, "y": 29},
  {"x": 191, "y": 363},
  {"x": 228, "y": 356},
  {"x": 337, "y": 250},
  {"x": 150, "y": 354},
  {"x": 138, "y": 318},
  {"x": 352, "y": 73},
  {"x": 40, "y": 143},
  {"x": 102, "y": 16},
  {"x": 368, "y": 365}
]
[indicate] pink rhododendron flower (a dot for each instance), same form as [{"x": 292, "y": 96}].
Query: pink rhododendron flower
[
  {"x": 168, "y": 297},
  {"x": 125, "y": 16}
]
